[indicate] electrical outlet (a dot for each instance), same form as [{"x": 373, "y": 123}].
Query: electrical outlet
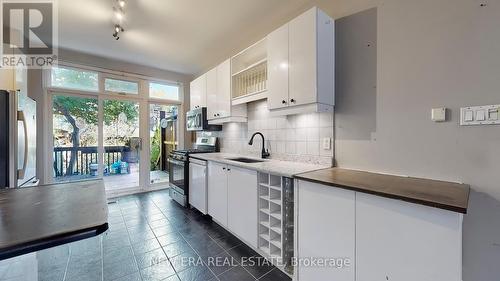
[{"x": 326, "y": 143}]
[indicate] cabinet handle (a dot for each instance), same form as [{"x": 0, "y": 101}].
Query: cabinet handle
[
  {"x": 228, "y": 169},
  {"x": 224, "y": 169},
  {"x": 283, "y": 101},
  {"x": 292, "y": 101}
]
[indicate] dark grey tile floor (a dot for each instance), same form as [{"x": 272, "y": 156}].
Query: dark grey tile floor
[{"x": 150, "y": 238}]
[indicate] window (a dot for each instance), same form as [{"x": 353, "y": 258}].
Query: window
[
  {"x": 163, "y": 91},
  {"x": 121, "y": 86},
  {"x": 74, "y": 79}
]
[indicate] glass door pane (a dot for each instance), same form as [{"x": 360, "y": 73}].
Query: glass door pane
[
  {"x": 163, "y": 130},
  {"x": 75, "y": 137},
  {"x": 122, "y": 144}
]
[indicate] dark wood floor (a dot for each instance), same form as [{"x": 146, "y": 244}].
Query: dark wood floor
[{"x": 150, "y": 238}]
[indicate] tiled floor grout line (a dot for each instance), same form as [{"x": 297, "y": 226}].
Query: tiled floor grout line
[
  {"x": 161, "y": 246},
  {"x": 102, "y": 257},
  {"x": 150, "y": 215},
  {"x": 226, "y": 251},
  {"x": 130, "y": 241},
  {"x": 216, "y": 276},
  {"x": 67, "y": 264}
]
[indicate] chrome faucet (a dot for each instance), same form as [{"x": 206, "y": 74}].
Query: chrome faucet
[{"x": 265, "y": 152}]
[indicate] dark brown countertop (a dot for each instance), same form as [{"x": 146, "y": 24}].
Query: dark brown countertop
[
  {"x": 439, "y": 194},
  {"x": 32, "y": 219}
]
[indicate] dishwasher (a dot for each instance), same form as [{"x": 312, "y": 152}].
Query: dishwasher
[{"x": 198, "y": 185}]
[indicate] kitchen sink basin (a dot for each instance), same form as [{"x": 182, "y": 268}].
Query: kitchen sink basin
[{"x": 245, "y": 160}]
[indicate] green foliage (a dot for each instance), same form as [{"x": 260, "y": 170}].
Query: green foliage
[
  {"x": 113, "y": 108},
  {"x": 75, "y": 79},
  {"x": 85, "y": 108},
  {"x": 155, "y": 150},
  {"x": 121, "y": 86}
]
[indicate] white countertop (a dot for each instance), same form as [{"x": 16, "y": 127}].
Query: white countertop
[{"x": 278, "y": 167}]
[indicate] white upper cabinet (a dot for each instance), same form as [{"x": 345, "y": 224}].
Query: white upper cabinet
[
  {"x": 301, "y": 65},
  {"x": 277, "y": 63},
  {"x": 303, "y": 58},
  {"x": 212, "y": 92},
  {"x": 219, "y": 105},
  {"x": 223, "y": 100},
  {"x": 198, "y": 92}
]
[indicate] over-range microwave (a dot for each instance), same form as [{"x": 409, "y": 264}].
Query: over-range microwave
[{"x": 196, "y": 120}]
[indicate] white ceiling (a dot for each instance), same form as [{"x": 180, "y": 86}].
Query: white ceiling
[{"x": 186, "y": 36}]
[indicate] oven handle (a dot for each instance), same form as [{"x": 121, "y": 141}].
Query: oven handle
[{"x": 176, "y": 162}]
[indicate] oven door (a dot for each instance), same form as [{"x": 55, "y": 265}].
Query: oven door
[{"x": 177, "y": 175}]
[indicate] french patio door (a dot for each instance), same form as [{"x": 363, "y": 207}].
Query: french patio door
[
  {"x": 124, "y": 141},
  {"x": 98, "y": 137}
]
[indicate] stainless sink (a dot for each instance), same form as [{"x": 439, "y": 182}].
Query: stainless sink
[{"x": 245, "y": 160}]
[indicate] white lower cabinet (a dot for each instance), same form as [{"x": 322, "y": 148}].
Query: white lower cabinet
[
  {"x": 385, "y": 239},
  {"x": 232, "y": 200},
  {"x": 396, "y": 240},
  {"x": 325, "y": 229},
  {"x": 217, "y": 192},
  {"x": 242, "y": 204}
]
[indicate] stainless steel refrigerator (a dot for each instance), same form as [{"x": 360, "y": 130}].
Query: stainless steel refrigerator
[{"x": 17, "y": 140}]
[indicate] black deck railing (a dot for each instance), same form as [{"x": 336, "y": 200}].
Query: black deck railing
[{"x": 86, "y": 156}]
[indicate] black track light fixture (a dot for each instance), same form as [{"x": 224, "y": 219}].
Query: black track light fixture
[{"x": 118, "y": 29}]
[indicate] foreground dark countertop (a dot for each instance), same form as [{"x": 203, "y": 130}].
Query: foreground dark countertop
[
  {"x": 439, "y": 194},
  {"x": 33, "y": 219}
]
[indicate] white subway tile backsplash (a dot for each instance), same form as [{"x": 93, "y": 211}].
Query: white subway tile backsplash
[
  {"x": 291, "y": 121},
  {"x": 281, "y": 147},
  {"x": 312, "y": 134},
  {"x": 292, "y": 138},
  {"x": 313, "y": 120},
  {"x": 301, "y": 134},
  {"x": 301, "y": 147},
  {"x": 326, "y": 133},
  {"x": 291, "y": 147},
  {"x": 302, "y": 121},
  {"x": 281, "y": 123},
  {"x": 325, "y": 120},
  {"x": 291, "y": 135},
  {"x": 313, "y": 148},
  {"x": 272, "y": 123}
]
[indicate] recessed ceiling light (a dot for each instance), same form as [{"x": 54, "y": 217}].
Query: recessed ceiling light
[{"x": 119, "y": 15}]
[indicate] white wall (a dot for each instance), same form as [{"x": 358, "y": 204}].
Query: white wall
[{"x": 431, "y": 53}]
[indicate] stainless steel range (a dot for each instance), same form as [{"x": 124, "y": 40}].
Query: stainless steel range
[{"x": 179, "y": 167}]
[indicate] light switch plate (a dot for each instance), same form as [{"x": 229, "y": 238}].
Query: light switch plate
[
  {"x": 480, "y": 115},
  {"x": 438, "y": 114}
]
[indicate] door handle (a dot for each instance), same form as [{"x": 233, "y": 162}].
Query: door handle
[{"x": 22, "y": 118}]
